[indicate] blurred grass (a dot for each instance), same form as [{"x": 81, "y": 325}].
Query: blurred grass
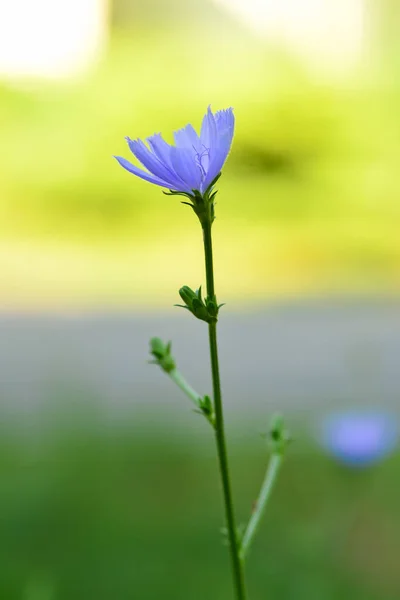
[
  {"x": 90, "y": 511},
  {"x": 308, "y": 203}
]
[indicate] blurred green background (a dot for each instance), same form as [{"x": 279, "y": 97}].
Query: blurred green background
[
  {"x": 99, "y": 513},
  {"x": 308, "y": 210},
  {"x": 309, "y": 198}
]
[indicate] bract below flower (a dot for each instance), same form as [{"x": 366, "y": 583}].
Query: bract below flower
[{"x": 193, "y": 163}]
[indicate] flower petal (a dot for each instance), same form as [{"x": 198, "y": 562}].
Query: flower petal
[
  {"x": 161, "y": 149},
  {"x": 218, "y": 160},
  {"x": 225, "y": 121},
  {"x": 184, "y": 163},
  {"x": 187, "y": 138},
  {"x": 225, "y": 125},
  {"x": 152, "y": 162},
  {"x": 142, "y": 174},
  {"x": 208, "y": 134}
]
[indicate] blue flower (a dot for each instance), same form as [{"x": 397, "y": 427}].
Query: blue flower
[
  {"x": 193, "y": 163},
  {"x": 360, "y": 438}
]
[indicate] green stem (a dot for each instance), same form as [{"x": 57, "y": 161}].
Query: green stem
[
  {"x": 186, "y": 388},
  {"x": 237, "y": 565},
  {"x": 265, "y": 493}
]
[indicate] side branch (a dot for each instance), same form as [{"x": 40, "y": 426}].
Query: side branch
[
  {"x": 164, "y": 359},
  {"x": 279, "y": 439},
  {"x": 261, "y": 503}
]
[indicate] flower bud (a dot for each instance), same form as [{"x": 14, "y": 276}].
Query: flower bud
[
  {"x": 195, "y": 304},
  {"x": 162, "y": 354},
  {"x": 278, "y": 434},
  {"x": 187, "y": 295}
]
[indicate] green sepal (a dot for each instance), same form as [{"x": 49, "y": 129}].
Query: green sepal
[
  {"x": 212, "y": 308},
  {"x": 206, "y": 405},
  {"x": 200, "y": 310},
  {"x": 202, "y": 203},
  {"x": 211, "y": 199},
  {"x": 214, "y": 181},
  {"x": 174, "y": 193},
  {"x": 182, "y": 306},
  {"x": 196, "y": 304}
]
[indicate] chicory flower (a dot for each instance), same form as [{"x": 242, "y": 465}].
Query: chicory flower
[
  {"x": 360, "y": 438},
  {"x": 193, "y": 163}
]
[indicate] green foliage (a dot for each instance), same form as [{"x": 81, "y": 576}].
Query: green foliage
[{"x": 92, "y": 511}]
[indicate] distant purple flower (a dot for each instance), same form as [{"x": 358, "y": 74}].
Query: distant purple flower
[
  {"x": 360, "y": 438},
  {"x": 193, "y": 162}
]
